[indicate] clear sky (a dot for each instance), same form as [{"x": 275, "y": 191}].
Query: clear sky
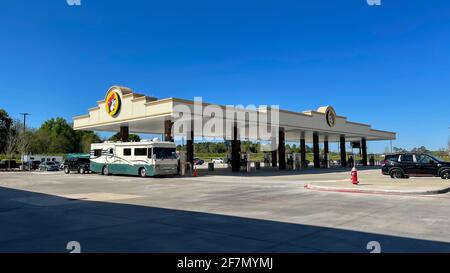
[{"x": 388, "y": 66}]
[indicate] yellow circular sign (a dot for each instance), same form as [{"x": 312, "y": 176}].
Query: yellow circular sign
[
  {"x": 113, "y": 103},
  {"x": 331, "y": 117}
]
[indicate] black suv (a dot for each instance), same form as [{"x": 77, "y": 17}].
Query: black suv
[
  {"x": 81, "y": 165},
  {"x": 408, "y": 164}
]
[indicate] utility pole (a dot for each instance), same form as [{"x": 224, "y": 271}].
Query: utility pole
[
  {"x": 24, "y": 135},
  {"x": 448, "y": 143}
]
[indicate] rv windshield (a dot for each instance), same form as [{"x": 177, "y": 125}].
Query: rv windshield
[{"x": 165, "y": 153}]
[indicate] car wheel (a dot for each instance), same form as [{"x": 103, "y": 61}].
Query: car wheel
[
  {"x": 397, "y": 174},
  {"x": 142, "y": 172},
  {"x": 66, "y": 170},
  {"x": 445, "y": 174},
  {"x": 81, "y": 170},
  {"x": 105, "y": 170}
]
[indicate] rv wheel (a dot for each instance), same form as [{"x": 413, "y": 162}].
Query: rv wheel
[
  {"x": 142, "y": 172},
  {"x": 105, "y": 170}
]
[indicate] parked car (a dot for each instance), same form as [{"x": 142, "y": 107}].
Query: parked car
[
  {"x": 218, "y": 161},
  {"x": 410, "y": 164},
  {"x": 35, "y": 164},
  {"x": 48, "y": 166},
  {"x": 198, "y": 161},
  {"x": 80, "y": 165}
]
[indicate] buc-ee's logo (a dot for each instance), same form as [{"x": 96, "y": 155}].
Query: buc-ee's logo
[
  {"x": 331, "y": 117},
  {"x": 113, "y": 103}
]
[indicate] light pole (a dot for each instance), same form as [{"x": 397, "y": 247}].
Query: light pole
[
  {"x": 448, "y": 142},
  {"x": 24, "y": 135}
]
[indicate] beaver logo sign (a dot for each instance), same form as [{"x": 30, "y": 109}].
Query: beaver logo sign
[
  {"x": 113, "y": 103},
  {"x": 331, "y": 117}
]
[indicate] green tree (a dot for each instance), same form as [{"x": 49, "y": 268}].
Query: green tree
[
  {"x": 86, "y": 139},
  {"x": 248, "y": 146},
  {"x": 131, "y": 137},
  {"x": 399, "y": 150},
  {"x": 56, "y": 136},
  {"x": 295, "y": 149},
  {"x": 11, "y": 141},
  {"x": 5, "y": 126},
  {"x": 421, "y": 150},
  {"x": 24, "y": 139}
]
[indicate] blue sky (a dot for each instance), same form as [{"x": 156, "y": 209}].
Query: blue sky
[{"x": 387, "y": 66}]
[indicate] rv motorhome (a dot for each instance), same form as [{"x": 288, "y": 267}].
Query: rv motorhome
[{"x": 145, "y": 158}]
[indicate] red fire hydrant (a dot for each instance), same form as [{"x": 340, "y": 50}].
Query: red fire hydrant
[{"x": 355, "y": 176}]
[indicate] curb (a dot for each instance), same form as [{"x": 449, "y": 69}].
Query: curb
[{"x": 372, "y": 191}]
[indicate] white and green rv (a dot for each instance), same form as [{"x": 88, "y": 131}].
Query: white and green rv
[{"x": 145, "y": 158}]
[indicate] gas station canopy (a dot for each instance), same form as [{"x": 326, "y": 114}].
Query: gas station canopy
[{"x": 142, "y": 114}]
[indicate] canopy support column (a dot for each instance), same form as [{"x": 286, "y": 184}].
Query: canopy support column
[
  {"x": 316, "y": 150},
  {"x": 303, "y": 152},
  {"x": 235, "y": 151},
  {"x": 168, "y": 136},
  {"x": 190, "y": 149},
  {"x": 282, "y": 149},
  {"x": 124, "y": 133},
  {"x": 326, "y": 151},
  {"x": 343, "y": 152},
  {"x": 364, "y": 151}
]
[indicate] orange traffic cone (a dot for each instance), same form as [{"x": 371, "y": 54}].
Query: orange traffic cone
[
  {"x": 355, "y": 176},
  {"x": 195, "y": 171}
]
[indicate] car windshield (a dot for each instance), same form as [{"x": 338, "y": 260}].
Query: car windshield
[
  {"x": 392, "y": 157},
  {"x": 438, "y": 158},
  {"x": 50, "y": 163},
  {"x": 165, "y": 153},
  {"x": 428, "y": 159}
]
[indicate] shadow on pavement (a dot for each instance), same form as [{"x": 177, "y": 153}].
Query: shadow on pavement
[{"x": 35, "y": 222}]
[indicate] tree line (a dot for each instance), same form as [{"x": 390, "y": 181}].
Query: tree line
[
  {"x": 246, "y": 146},
  {"x": 55, "y": 136},
  {"x": 423, "y": 150}
]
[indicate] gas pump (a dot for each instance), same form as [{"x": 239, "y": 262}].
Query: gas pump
[{"x": 297, "y": 163}]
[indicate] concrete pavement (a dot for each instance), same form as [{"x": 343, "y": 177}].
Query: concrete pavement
[
  {"x": 213, "y": 213},
  {"x": 373, "y": 184}
]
